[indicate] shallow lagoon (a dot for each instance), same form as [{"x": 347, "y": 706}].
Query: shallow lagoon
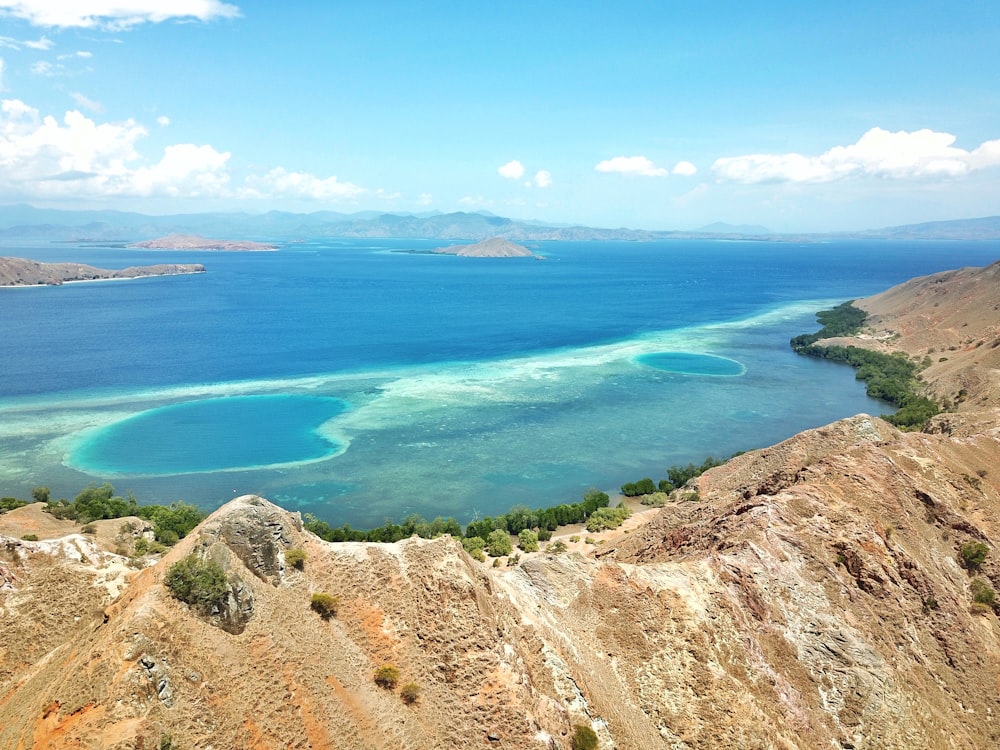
[{"x": 455, "y": 386}]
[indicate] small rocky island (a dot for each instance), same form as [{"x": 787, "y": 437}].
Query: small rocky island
[
  {"x": 494, "y": 247},
  {"x": 194, "y": 242},
  {"x": 25, "y": 272}
]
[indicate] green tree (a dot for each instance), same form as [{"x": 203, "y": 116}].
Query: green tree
[
  {"x": 41, "y": 495},
  {"x": 498, "y": 543},
  {"x": 527, "y": 540}
]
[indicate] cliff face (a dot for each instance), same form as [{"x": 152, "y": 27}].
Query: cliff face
[{"x": 811, "y": 597}]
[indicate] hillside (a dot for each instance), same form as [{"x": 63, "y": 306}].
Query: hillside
[
  {"x": 24, "y": 272},
  {"x": 812, "y": 596}
]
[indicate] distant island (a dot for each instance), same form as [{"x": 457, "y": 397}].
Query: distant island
[
  {"x": 194, "y": 242},
  {"x": 25, "y": 272},
  {"x": 495, "y": 247}
]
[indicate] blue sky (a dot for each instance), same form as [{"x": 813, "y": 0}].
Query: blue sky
[{"x": 661, "y": 115}]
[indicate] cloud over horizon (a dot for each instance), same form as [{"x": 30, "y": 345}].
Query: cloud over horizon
[
  {"x": 637, "y": 165},
  {"x": 878, "y": 153},
  {"x": 113, "y": 15},
  {"x": 41, "y": 157}
]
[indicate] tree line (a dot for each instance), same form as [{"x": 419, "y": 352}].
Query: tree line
[{"x": 890, "y": 377}]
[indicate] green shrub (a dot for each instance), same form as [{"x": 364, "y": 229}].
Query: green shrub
[
  {"x": 584, "y": 738},
  {"x": 325, "y": 605},
  {"x": 387, "y": 677},
  {"x": 30, "y": 537},
  {"x": 982, "y": 592},
  {"x": 202, "y": 584},
  {"x": 527, "y": 540},
  {"x": 10, "y": 503},
  {"x": 410, "y": 693},
  {"x": 474, "y": 545},
  {"x": 296, "y": 558},
  {"x": 556, "y": 548},
  {"x": 608, "y": 518},
  {"x": 973, "y": 555},
  {"x": 498, "y": 543}
]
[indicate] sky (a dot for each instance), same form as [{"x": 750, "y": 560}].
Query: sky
[{"x": 653, "y": 115}]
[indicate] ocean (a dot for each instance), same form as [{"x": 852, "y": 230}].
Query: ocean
[{"x": 359, "y": 382}]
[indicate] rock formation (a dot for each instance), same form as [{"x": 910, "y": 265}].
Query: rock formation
[{"x": 815, "y": 595}]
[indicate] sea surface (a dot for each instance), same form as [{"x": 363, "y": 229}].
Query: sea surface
[{"x": 350, "y": 380}]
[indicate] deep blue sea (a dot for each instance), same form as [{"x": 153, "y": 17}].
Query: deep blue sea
[{"x": 358, "y": 383}]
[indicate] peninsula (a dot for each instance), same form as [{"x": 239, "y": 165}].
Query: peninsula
[
  {"x": 194, "y": 242},
  {"x": 495, "y": 247},
  {"x": 25, "y": 272}
]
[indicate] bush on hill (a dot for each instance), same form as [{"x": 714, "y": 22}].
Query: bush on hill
[{"x": 202, "y": 584}]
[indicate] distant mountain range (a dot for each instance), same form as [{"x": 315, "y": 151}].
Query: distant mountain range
[{"x": 28, "y": 222}]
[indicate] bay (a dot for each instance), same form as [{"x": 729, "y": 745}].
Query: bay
[{"x": 468, "y": 385}]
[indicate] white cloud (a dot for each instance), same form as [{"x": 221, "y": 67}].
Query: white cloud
[
  {"x": 113, "y": 14},
  {"x": 512, "y": 170},
  {"x": 43, "y": 158},
  {"x": 78, "y": 54},
  {"x": 1, "y": 73},
  {"x": 42, "y": 68},
  {"x": 42, "y": 43},
  {"x": 543, "y": 178},
  {"x": 638, "y": 165},
  {"x": 685, "y": 169},
  {"x": 163, "y": 121},
  {"x": 280, "y": 183},
  {"x": 920, "y": 154},
  {"x": 86, "y": 103},
  {"x": 425, "y": 199}
]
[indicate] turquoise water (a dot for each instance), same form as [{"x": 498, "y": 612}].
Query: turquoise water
[
  {"x": 357, "y": 383},
  {"x": 686, "y": 363},
  {"x": 212, "y": 434}
]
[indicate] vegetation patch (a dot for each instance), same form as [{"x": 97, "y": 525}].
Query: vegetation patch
[
  {"x": 171, "y": 523},
  {"x": 410, "y": 693},
  {"x": 973, "y": 555},
  {"x": 325, "y": 605},
  {"x": 296, "y": 558},
  {"x": 584, "y": 738},
  {"x": 982, "y": 592},
  {"x": 677, "y": 477},
  {"x": 202, "y": 584},
  {"x": 387, "y": 677},
  {"x": 889, "y": 377}
]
